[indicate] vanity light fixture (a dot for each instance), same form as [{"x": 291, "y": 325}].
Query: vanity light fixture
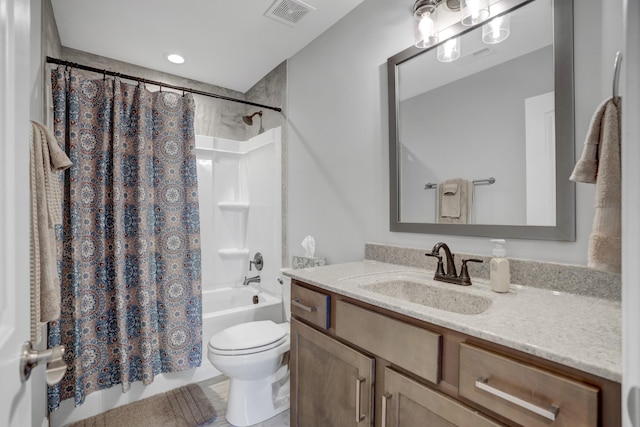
[
  {"x": 497, "y": 30},
  {"x": 449, "y": 51},
  {"x": 175, "y": 58},
  {"x": 425, "y": 17}
]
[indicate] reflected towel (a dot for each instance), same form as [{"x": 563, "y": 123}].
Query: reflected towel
[
  {"x": 600, "y": 163},
  {"x": 46, "y": 159},
  {"x": 456, "y": 201},
  {"x": 450, "y": 201}
]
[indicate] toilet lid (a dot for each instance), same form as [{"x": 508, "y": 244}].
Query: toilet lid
[{"x": 248, "y": 336}]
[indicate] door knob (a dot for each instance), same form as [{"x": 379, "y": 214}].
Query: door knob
[
  {"x": 633, "y": 406},
  {"x": 30, "y": 358}
]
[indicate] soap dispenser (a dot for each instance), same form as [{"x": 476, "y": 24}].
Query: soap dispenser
[{"x": 499, "y": 275}]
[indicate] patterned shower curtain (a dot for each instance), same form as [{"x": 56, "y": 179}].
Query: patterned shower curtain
[{"x": 130, "y": 240}]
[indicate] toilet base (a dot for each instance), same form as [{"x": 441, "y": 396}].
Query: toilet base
[{"x": 252, "y": 402}]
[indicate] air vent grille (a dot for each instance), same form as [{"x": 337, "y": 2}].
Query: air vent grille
[{"x": 288, "y": 12}]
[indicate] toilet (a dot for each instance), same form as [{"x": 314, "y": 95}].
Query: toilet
[{"x": 251, "y": 355}]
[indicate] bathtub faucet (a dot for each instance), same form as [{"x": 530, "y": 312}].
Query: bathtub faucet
[{"x": 254, "y": 279}]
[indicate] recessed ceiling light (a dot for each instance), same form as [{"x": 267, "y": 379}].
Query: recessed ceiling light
[{"x": 175, "y": 58}]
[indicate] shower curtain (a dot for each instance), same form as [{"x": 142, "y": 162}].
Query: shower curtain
[{"x": 130, "y": 243}]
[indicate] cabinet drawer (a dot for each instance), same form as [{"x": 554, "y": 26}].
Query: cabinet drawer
[
  {"x": 311, "y": 306},
  {"x": 406, "y": 346},
  {"x": 525, "y": 394},
  {"x": 406, "y": 402}
]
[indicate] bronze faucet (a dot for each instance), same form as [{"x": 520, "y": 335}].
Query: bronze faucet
[{"x": 450, "y": 276}]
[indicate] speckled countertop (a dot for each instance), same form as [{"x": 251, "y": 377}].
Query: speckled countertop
[{"x": 577, "y": 331}]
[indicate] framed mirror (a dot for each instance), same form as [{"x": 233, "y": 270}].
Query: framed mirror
[{"x": 484, "y": 145}]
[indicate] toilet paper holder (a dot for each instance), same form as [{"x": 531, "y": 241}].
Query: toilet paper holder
[{"x": 30, "y": 358}]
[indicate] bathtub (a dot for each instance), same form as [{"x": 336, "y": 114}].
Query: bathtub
[{"x": 228, "y": 306}]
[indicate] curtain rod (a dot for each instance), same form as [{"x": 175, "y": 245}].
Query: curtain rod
[{"x": 152, "y": 82}]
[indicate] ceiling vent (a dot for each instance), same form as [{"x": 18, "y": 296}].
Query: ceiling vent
[
  {"x": 474, "y": 56},
  {"x": 288, "y": 12}
]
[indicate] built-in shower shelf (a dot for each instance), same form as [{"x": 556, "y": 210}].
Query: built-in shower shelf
[
  {"x": 233, "y": 252},
  {"x": 234, "y": 206}
]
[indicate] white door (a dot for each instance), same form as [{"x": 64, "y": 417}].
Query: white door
[
  {"x": 630, "y": 224},
  {"x": 15, "y": 396},
  {"x": 540, "y": 142}
]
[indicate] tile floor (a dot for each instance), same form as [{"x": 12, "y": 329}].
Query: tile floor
[{"x": 218, "y": 388}]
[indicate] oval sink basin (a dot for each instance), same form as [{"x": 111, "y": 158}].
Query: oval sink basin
[{"x": 435, "y": 296}]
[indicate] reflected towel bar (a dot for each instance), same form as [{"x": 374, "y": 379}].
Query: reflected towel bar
[{"x": 487, "y": 181}]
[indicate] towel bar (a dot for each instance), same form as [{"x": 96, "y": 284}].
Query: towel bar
[{"x": 616, "y": 74}]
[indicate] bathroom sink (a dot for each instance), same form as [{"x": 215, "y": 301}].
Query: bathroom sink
[{"x": 421, "y": 289}]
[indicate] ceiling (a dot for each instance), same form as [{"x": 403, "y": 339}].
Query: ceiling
[{"x": 228, "y": 43}]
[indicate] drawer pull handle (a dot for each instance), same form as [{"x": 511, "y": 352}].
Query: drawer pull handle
[
  {"x": 483, "y": 384},
  {"x": 359, "y": 382},
  {"x": 385, "y": 399},
  {"x": 297, "y": 303}
]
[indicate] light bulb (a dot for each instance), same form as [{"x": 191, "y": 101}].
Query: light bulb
[
  {"x": 474, "y": 11},
  {"x": 497, "y": 30},
  {"x": 449, "y": 51}
]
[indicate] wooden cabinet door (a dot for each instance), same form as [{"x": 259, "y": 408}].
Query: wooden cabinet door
[
  {"x": 331, "y": 383},
  {"x": 407, "y": 403}
]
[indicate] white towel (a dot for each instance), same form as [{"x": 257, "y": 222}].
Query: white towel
[
  {"x": 456, "y": 201},
  {"x": 47, "y": 158},
  {"x": 600, "y": 163}
]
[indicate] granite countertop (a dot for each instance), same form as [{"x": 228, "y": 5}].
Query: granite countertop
[{"x": 577, "y": 331}]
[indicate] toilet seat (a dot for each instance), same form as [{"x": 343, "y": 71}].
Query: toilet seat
[{"x": 248, "y": 338}]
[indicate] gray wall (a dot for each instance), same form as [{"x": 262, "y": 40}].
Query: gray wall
[{"x": 338, "y": 132}]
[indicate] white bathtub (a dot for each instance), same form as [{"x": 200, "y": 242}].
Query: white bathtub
[{"x": 228, "y": 306}]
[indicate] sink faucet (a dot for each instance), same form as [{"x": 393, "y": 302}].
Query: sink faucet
[
  {"x": 254, "y": 279},
  {"x": 451, "y": 266},
  {"x": 450, "y": 276}
]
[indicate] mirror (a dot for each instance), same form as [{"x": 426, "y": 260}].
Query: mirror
[{"x": 484, "y": 145}]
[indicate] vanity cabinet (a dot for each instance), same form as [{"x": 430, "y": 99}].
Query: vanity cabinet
[
  {"x": 361, "y": 365},
  {"x": 331, "y": 383}
]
